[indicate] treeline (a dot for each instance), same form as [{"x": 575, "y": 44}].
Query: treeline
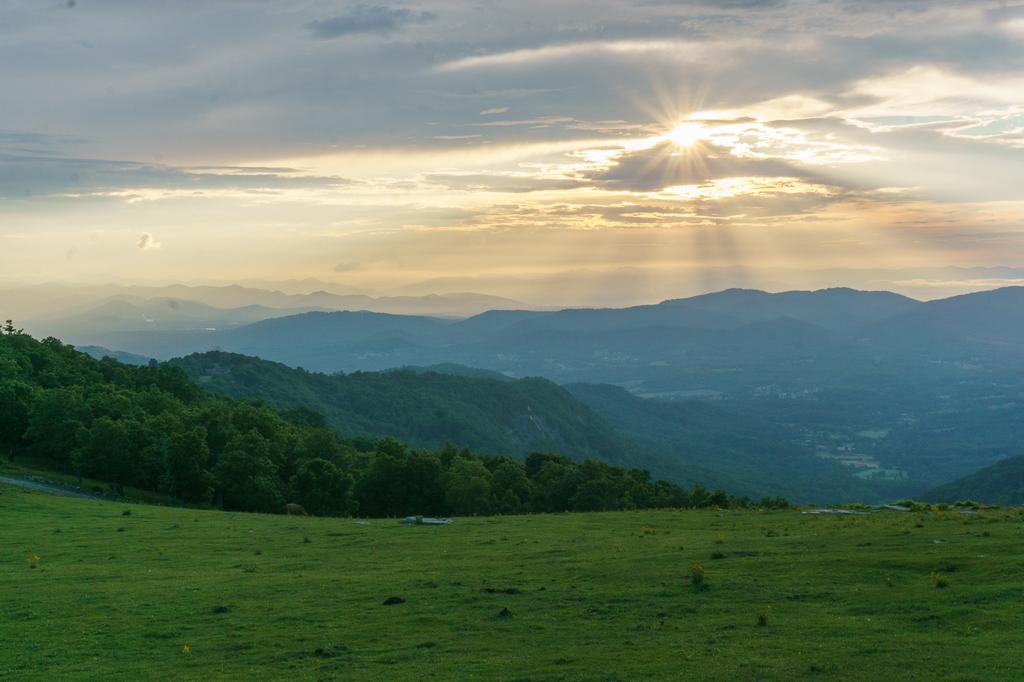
[{"x": 151, "y": 427}]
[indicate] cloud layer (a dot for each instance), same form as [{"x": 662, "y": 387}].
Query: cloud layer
[{"x": 405, "y": 140}]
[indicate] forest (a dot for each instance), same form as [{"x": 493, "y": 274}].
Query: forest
[{"x": 153, "y": 428}]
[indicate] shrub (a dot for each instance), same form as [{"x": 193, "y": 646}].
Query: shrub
[
  {"x": 697, "y": 575},
  {"x": 913, "y": 505},
  {"x": 940, "y": 581}
]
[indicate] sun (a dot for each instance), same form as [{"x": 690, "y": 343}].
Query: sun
[{"x": 687, "y": 134}]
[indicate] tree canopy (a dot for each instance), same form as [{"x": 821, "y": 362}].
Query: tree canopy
[{"x": 153, "y": 428}]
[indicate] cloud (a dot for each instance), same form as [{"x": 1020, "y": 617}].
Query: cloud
[
  {"x": 671, "y": 49},
  {"x": 665, "y": 165},
  {"x": 539, "y": 121},
  {"x": 511, "y": 183},
  {"x": 720, "y": 4},
  {"x": 147, "y": 242},
  {"x": 348, "y": 266},
  {"x": 37, "y": 172},
  {"x": 394, "y": 96},
  {"x": 929, "y": 90},
  {"x": 363, "y": 19}
]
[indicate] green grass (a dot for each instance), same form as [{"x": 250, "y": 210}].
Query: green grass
[{"x": 600, "y": 596}]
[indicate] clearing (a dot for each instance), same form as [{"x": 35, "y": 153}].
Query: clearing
[{"x": 120, "y": 590}]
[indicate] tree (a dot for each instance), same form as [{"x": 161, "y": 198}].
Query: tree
[
  {"x": 246, "y": 476},
  {"x": 110, "y": 451},
  {"x": 468, "y": 488},
  {"x": 554, "y": 484},
  {"x": 185, "y": 473},
  {"x": 510, "y": 487},
  {"x": 398, "y": 482},
  {"x": 322, "y": 488},
  {"x": 56, "y": 421},
  {"x": 16, "y": 398}
]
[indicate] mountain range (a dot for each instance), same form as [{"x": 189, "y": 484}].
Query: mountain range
[
  {"x": 68, "y": 308},
  {"x": 896, "y": 391}
]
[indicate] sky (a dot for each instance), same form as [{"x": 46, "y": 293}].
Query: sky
[{"x": 573, "y": 151}]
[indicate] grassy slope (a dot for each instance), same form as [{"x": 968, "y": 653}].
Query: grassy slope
[{"x": 116, "y": 597}]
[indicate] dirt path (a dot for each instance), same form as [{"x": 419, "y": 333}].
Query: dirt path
[{"x": 32, "y": 485}]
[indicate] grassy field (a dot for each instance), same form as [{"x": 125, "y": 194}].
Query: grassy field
[{"x": 138, "y": 592}]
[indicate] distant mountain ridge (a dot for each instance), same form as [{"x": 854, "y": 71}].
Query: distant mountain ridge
[
  {"x": 838, "y": 308},
  {"x": 54, "y": 305},
  {"x": 969, "y": 322}
]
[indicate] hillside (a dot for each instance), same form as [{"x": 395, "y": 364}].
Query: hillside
[
  {"x": 986, "y": 323},
  {"x": 99, "y": 353},
  {"x": 1001, "y": 483},
  {"x": 686, "y": 441},
  {"x": 153, "y": 429},
  {"x": 430, "y": 408},
  {"x": 120, "y": 590}
]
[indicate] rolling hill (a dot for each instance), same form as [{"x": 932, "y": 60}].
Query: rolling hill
[
  {"x": 429, "y": 408},
  {"x": 1001, "y": 483},
  {"x": 686, "y": 441}
]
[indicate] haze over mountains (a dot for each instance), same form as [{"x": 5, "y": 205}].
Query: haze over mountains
[
  {"x": 74, "y": 312},
  {"x": 866, "y": 393}
]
